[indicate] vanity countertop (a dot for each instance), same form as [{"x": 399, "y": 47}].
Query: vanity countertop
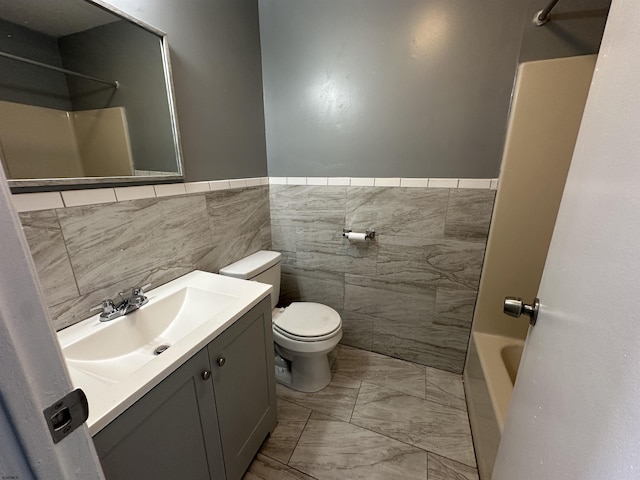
[{"x": 114, "y": 362}]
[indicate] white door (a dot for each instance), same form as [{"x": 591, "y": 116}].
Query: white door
[
  {"x": 575, "y": 412},
  {"x": 32, "y": 373}
]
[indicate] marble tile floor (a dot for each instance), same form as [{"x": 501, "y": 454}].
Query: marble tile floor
[{"x": 380, "y": 418}]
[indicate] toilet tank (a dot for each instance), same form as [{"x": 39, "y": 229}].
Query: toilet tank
[{"x": 262, "y": 266}]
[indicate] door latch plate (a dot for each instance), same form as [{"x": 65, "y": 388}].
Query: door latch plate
[{"x": 67, "y": 414}]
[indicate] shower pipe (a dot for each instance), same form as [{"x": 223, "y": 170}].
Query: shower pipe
[
  {"x": 115, "y": 84},
  {"x": 542, "y": 16}
]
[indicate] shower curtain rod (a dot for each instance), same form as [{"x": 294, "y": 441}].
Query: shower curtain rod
[
  {"x": 115, "y": 84},
  {"x": 542, "y": 16}
]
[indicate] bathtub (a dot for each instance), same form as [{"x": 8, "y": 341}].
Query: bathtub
[{"x": 489, "y": 377}]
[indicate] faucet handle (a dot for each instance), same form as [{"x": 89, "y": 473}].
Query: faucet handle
[
  {"x": 140, "y": 290},
  {"x": 138, "y": 298},
  {"x": 107, "y": 306}
]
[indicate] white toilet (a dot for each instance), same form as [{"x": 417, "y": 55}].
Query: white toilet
[{"x": 304, "y": 333}]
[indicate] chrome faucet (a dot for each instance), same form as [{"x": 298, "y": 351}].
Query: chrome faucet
[{"x": 127, "y": 304}]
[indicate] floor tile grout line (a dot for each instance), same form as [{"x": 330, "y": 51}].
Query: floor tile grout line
[
  {"x": 427, "y": 472},
  {"x": 426, "y": 367},
  {"x": 426, "y": 384},
  {"x": 364, "y": 428},
  {"x": 384, "y": 386},
  {"x": 306, "y": 422},
  {"x": 361, "y": 381},
  {"x": 314, "y": 410},
  {"x": 371, "y": 431},
  {"x": 365, "y": 380},
  {"x": 283, "y": 464},
  {"x": 296, "y": 446},
  {"x": 395, "y": 358},
  {"x": 333, "y": 417},
  {"x": 424, "y": 399},
  {"x": 381, "y": 434},
  {"x": 452, "y": 460},
  {"x": 298, "y": 438},
  {"x": 303, "y": 472},
  {"x": 356, "y": 402},
  {"x": 410, "y": 444}
]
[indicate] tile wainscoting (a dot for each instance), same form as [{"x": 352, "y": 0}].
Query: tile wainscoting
[
  {"x": 84, "y": 254},
  {"x": 411, "y": 292}
]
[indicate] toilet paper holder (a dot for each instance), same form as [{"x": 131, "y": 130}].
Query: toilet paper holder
[{"x": 369, "y": 234}]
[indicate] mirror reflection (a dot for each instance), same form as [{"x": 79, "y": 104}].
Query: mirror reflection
[{"x": 83, "y": 93}]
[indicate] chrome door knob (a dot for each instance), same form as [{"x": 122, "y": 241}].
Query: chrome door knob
[
  {"x": 221, "y": 361},
  {"x": 515, "y": 307},
  {"x": 206, "y": 375}
]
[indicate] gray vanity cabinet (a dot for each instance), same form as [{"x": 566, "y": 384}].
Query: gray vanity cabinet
[
  {"x": 171, "y": 432},
  {"x": 244, "y": 384},
  {"x": 208, "y": 418}
]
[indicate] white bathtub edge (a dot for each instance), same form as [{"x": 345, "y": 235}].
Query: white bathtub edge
[{"x": 496, "y": 375}]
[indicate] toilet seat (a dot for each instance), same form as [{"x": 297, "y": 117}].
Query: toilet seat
[{"x": 308, "y": 322}]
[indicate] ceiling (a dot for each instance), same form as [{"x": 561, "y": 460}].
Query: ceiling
[{"x": 55, "y": 18}]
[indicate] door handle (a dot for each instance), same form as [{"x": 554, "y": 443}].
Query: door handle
[{"x": 515, "y": 307}]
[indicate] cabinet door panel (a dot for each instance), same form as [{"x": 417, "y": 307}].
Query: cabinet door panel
[
  {"x": 244, "y": 387},
  {"x": 170, "y": 433}
]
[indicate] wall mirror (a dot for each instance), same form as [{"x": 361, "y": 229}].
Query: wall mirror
[{"x": 86, "y": 97}]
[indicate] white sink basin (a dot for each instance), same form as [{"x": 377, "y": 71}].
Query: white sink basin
[
  {"x": 114, "y": 362},
  {"x": 127, "y": 343}
]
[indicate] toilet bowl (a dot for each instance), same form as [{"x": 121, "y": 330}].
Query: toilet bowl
[{"x": 303, "y": 333}]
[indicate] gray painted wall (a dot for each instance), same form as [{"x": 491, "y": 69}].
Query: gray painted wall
[
  {"x": 215, "y": 52},
  {"x": 575, "y": 28},
  {"x": 419, "y": 88},
  {"x": 22, "y": 83},
  {"x": 124, "y": 52},
  {"x": 416, "y": 88},
  {"x": 373, "y": 80}
]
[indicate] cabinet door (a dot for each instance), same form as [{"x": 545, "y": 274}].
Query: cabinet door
[
  {"x": 170, "y": 433},
  {"x": 244, "y": 387}
]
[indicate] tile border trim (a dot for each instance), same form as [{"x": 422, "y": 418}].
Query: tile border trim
[
  {"x": 408, "y": 182},
  {"x": 28, "y": 202}
]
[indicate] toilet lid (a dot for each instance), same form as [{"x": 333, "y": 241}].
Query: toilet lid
[{"x": 306, "y": 319}]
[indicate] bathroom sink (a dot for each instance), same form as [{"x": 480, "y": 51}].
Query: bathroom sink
[
  {"x": 125, "y": 344},
  {"x": 118, "y": 361}
]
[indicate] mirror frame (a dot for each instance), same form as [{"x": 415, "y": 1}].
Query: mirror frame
[{"x": 53, "y": 184}]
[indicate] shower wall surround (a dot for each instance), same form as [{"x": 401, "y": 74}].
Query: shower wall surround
[
  {"x": 411, "y": 292},
  {"x": 87, "y": 253}
]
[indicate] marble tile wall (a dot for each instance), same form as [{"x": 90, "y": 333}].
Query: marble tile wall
[
  {"x": 411, "y": 292},
  {"x": 87, "y": 253}
]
